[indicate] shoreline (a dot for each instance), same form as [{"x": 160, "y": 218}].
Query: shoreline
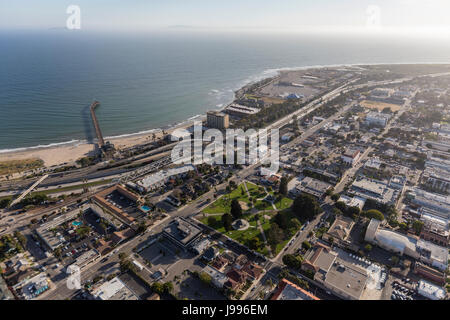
[{"x": 70, "y": 151}]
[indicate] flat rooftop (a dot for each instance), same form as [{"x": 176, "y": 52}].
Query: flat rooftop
[
  {"x": 114, "y": 289},
  {"x": 182, "y": 231},
  {"x": 163, "y": 175},
  {"x": 290, "y": 291},
  {"x": 431, "y": 290},
  {"x": 373, "y": 189},
  {"x": 314, "y": 186},
  {"x": 437, "y": 253},
  {"x": 345, "y": 277}
]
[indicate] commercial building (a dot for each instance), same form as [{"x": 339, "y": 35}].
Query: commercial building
[
  {"x": 397, "y": 182},
  {"x": 106, "y": 205},
  {"x": 287, "y": 290},
  {"x": 437, "y": 178},
  {"x": 200, "y": 246},
  {"x": 375, "y": 190},
  {"x": 400, "y": 244},
  {"x": 438, "y": 204},
  {"x": 353, "y": 201},
  {"x": 240, "y": 111},
  {"x": 52, "y": 239},
  {"x": 351, "y": 156},
  {"x": 373, "y": 163},
  {"x": 87, "y": 258},
  {"x": 217, "y": 120},
  {"x": 33, "y": 287},
  {"x": 182, "y": 232},
  {"x": 114, "y": 289},
  {"x": 377, "y": 119},
  {"x": 430, "y": 291},
  {"x": 218, "y": 278},
  {"x": 435, "y": 230},
  {"x": 340, "y": 229},
  {"x": 158, "y": 179},
  {"x": 342, "y": 278},
  {"x": 429, "y": 273},
  {"x": 310, "y": 186},
  {"x": 442, "y": 144}
]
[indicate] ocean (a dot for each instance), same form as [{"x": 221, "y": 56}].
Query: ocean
[{"x": 152, "y": 80}]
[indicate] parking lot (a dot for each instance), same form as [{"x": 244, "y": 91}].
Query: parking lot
[{"x": 192, "y": 288}]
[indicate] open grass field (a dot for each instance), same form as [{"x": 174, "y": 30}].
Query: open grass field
[
  {"x": 380, "y": 105},
  {"x": 267, "y": 100}
]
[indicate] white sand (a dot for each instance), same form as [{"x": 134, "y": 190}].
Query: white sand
[{"x": 70, "y": 153}]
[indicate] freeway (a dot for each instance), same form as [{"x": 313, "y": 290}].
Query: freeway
[{"x": 194, "y": 207}]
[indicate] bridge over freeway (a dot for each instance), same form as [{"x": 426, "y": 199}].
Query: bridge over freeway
[{"x": 24, "y": 194}]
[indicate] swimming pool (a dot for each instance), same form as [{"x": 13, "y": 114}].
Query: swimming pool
[
  {"x": 76, "y": 223},
  {"x": 145, "y": 208}
]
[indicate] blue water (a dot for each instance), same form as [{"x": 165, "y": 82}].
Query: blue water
[
  {"x": 146, "y": 81},
  {"x": 145, "y": 208}
]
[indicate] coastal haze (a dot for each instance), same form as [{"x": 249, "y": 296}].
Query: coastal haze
[
  {"x": 242, "y": 150},
  {"x": 153, "y": 80}
]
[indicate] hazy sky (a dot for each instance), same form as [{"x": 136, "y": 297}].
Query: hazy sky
[{"x": 328, "y": 15}]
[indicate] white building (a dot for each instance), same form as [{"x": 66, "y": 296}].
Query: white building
[
  {"x": 377, "y": 118},
  {"x": 373, "y": 163},
  {"x": 353, "y": 201},
  {"x": 375, "y": 190},
  {"x": 158, "y": 179},
  {"x": 114, "y": 289},
  {"x": 218, "y": 278},
  {"x": 430, "y": 291},
  {"x": 400, "y": 244}
]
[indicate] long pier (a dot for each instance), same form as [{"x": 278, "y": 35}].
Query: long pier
[{"x": 101, "y": 142}]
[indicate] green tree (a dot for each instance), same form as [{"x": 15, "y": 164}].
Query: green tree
[
  {"x": 296, "y": 223},
  {"x": 368, "y": 247},
  {"x": 236, "y": 210},
  {"x": 205, "y": 278},
  {"x": 158, "y": 287},
  {"x": 306, "y": 207},
  {"x": 168, "y": 287},
  {"x": 335, "y": 197},
  {"x": 227, "y": 220},
  {"x": 254, "y": 243},
  {"x": 212, "y": 221},
  {"x": 292, "y": 261},
  {"x": 281, "y": 220},
  {"x": 341, "y": 206},
  {"x": 275, "y": 234},
  {"x": 306, "y": 245},
  {"x": 284, "y": 186},
  {"x": 417, "y": 226},
  {"x": 374, "y": 214}
]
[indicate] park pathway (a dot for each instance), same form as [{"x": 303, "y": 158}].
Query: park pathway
[{"x": 260, "y": 228}]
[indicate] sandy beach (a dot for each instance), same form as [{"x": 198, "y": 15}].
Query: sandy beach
[{"x": 69, "y": 153}]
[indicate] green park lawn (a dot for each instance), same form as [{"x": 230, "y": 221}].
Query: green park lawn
[{"x": 265, "y": 214}]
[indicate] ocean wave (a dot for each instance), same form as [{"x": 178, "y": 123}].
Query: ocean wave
[
  {"x": 226, "y": 96},
  {"x": 44, "y": 146}
]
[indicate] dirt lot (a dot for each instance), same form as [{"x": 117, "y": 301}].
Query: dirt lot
[{"x": 380, "y": 105}]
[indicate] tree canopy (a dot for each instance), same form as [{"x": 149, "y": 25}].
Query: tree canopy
[
  {"x": 236, "y": 210},
  {"x": 306, "y": 207}
]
